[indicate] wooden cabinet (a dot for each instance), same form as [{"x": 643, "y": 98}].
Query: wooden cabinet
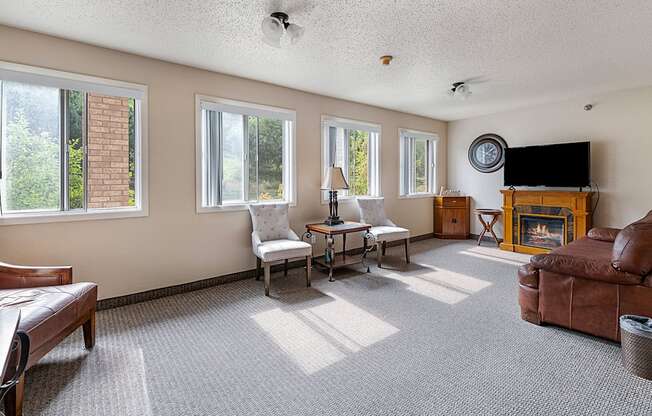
[{"x": 452, "y": 217}]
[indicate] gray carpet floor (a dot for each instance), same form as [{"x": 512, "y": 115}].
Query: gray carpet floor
[{"x": 440, "y": 337}]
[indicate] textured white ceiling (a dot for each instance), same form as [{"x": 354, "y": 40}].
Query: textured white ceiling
[{"x": 516, "y": 53}]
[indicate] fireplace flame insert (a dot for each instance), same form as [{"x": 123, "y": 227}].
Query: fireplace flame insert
[{"x": 542, "y": 231}]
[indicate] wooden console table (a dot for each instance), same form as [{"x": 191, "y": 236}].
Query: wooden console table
[{"x": 330, "y": 260}]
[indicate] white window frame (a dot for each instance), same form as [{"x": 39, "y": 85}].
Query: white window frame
[
  {"x": 239, "y": 107},
  {"x": 406, "y": 170},
  {"x": 327, "y": 121},
  {"x": 10, "y": 71}
]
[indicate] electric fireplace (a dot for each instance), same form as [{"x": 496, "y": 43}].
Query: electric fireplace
[{"x": 536, "y": 221}]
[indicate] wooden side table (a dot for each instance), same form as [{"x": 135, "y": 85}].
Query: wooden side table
[
  {"x": 488, "y": 226},
  {"x": 330, "y": 260}
]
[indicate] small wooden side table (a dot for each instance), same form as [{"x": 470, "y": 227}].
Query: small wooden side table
[
  {"x": 488, "y": 226},
  {"x": 331, "y": 261}
]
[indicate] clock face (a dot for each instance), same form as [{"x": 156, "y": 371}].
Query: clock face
[{"x": 487, "y": 153}]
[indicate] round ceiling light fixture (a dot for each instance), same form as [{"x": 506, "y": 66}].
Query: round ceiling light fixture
[
  {"x": 275, "y": 25},
  {"x": 460, "y": 90}
]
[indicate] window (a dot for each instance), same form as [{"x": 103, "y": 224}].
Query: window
[
  {"x": 70, "y": 146},
  {"x": 418, "y": 163},
  {"x": 353, "y": 146},
  {"x": 245, "y": 154}
]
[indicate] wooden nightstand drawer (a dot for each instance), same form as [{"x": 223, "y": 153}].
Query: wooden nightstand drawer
[{"x": 455, "y": 202}]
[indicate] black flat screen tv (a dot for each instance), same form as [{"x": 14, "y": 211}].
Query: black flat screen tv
[{"x": 555, "y": 165}]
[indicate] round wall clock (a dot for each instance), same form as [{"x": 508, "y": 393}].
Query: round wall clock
[{"x": 487, "y": 153}]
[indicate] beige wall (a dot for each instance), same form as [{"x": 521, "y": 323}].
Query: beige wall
[
  {"x": 174, "y": 244},
  {"x": 619, "y": 128}
]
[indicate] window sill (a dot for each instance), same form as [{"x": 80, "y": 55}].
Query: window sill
[
  {"x": 238, "y": 207},
  {"x": 70, "y": 216},
  {"x": 417, "y": 196}
]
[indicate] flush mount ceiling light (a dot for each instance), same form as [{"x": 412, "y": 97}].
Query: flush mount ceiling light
[
  {"x": 386, "y": 59},
  {"x": 460, "y": 90},
  {"x": 275, "y": 25}
]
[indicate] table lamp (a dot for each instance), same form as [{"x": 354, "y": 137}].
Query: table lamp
[{"x": 333, "y": 181}]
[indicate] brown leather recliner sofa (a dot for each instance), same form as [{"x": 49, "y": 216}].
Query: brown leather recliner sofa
[
  {"x": 588, "y": 284},
  {"x": 51, "y": 308}
]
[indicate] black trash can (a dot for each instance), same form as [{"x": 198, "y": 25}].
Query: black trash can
[{"x": 636, "y": 341}]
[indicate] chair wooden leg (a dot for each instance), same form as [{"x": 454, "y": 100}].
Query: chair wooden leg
[
  {"x": 258, "y": 261},
  {"x": 407, "y": 250},
  {"x": 13, "y": 400},
  {"x": 285, "y": 267},
  {"x": 308, "y": 270},
  {"x": 379, "y": 251},
  {"x": 89, "y": 331},
  {"x": 384, "y": 247},
  {"x": 268, "y": 277}
]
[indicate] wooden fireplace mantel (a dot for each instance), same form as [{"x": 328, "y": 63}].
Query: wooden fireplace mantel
[{"x": 577, "y": 202}]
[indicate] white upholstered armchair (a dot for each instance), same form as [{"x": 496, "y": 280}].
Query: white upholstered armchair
[
  {"x": 372, "y": 211},
  {"x": 272, "y": 240}
]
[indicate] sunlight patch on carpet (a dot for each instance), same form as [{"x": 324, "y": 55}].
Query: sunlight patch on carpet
[
  {"x": 319, "y": 336},
  {"x": 348, "y": 323},
  {"x": 439, "y": 284},
  {"x": 497, "y": 255}
]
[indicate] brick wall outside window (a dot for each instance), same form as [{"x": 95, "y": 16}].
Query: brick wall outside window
[{"x": 108, "y": 151}]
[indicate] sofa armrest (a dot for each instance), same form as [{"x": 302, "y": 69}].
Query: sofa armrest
[
  {"x": 586, "y": 268},
  {"x": 15, "y": 277},
  {"x": 603, "y": 234},
  {"x": 528, "y": 276},
  {"x": 632, "y": 248}
]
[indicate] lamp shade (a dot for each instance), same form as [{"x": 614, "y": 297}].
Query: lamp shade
[{"x": 334, "y": 179}]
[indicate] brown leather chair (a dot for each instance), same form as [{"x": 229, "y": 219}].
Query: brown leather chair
[
  {"x": 588, "y": 284},
  {"x": 52, "y": 307}
]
